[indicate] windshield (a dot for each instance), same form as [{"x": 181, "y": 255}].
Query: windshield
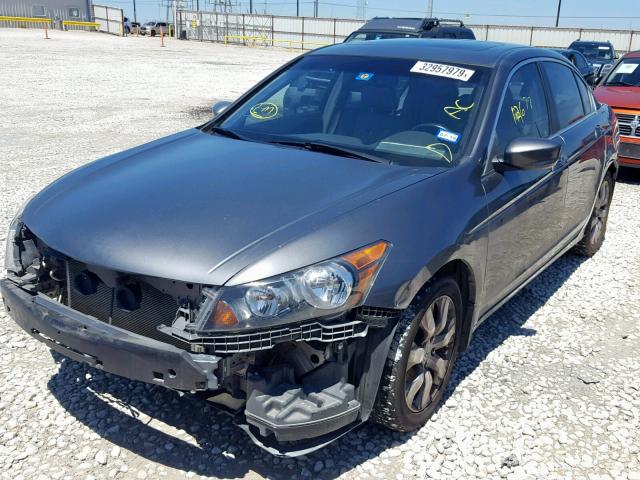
[
  {"x": 403, "y": 111},
  {"x": 594, "y": 51},
  {"x": 627, "y": 73},
  {"x": 361, "y": 36},
  {"x": 149, "y": 24}
]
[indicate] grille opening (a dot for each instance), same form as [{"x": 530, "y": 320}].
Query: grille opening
[{"x": 135, "y": 306}]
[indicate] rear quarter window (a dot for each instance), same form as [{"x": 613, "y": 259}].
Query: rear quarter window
[{"x": 585, "y": 94}]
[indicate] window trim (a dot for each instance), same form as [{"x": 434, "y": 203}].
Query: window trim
[
  {"x": 73, "y": 8},
  {"x": 44, "y": 10},
  {"x": 488, "y": 167}
]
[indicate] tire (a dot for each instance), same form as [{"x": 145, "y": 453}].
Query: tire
[
  {"x": 153, "y": 33},
  {"x": 597, "y": 226},
  {"x": 401, "y": 403}
]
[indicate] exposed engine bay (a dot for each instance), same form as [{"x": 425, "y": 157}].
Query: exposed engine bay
[{"x": 295, "y": 383}]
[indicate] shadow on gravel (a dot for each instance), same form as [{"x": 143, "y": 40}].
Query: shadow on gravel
[
  {"x": 508, "y": 321},
  {"x": 188, "y": 434}
]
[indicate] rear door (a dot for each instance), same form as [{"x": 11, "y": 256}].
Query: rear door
[
  {"x": 574, "y": 118},
  {"x": 525, "y": 206}
]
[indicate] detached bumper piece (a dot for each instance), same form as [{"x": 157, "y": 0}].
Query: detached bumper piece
[
  {"x": 115, "y": 350},
  {"x": 324, "y": 403}
]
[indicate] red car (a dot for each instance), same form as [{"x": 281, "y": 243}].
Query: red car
[{"x": 620, "y": 89}]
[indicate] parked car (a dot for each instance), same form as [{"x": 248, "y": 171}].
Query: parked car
[
  {"x": 154, "y": 28},
  {"x": 135, "y": 28},
  {"x": 601, "y": 55},
  {"x": 321, "y": 251},
  {"x": 384, "y": 28},
  {"x": 621, "y": 90},
  {"x": 580, "y": 62}
]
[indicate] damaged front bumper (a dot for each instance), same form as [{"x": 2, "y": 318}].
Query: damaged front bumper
[
  {"x": 287, "y": 400},
  {"x": 103, "y": 346}
]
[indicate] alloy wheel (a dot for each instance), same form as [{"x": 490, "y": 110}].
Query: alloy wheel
[
  {"x": 431, "y": 352},
  {"x": 600, "y": 212}
]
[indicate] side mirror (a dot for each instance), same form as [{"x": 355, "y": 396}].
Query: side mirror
[
  {"x": 527, "y": 153},
  {"x": 219, "y": 107}
]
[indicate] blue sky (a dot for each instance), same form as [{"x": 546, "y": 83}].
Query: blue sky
[{"x": 622, "y": 14}]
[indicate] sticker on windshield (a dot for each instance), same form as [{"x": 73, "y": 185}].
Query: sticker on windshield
[
  {"x": 264, "y": 111},
  {"x": 442, "y": 70},
  {"x": 454, "y": 110},
  {"x": 626, "y": 68},
  {"x": 364, "y": 76},
  {"x": 448, "y": 136}
]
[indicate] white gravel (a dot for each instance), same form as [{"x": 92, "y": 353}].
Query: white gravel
[{"x": 549, "y": 389}]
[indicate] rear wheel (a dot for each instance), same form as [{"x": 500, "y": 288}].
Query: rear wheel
[
  {"x": 421, "y": 357},
  {"x": 597, "y": 226},
  {"x": 153, "y": 33}
]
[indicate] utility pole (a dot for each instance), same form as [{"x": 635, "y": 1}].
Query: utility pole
[
  {"x": 558, "y": 14},
  {"x": 430, "y": 9},
  {"x": 297, "y": 8},
  {"x": 135, "y": 19},
  {"x": 175, "y": 18},
  {"x": 315, "y": 8}
]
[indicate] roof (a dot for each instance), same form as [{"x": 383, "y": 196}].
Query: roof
[
  {"x": 590, "y": 42},
  {"x": 470, "y": 52},
  {"x": 635, "y": 54},
  {"x": 404, "y": 24},
  {"x": 409, "y": 25}
]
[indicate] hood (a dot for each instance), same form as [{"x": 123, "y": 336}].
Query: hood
[
  {"x": 620, "y": 97},
  {"x": 184, "y": 206}
]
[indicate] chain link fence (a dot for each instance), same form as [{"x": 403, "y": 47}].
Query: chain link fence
[{"x": 310, "y": 32}]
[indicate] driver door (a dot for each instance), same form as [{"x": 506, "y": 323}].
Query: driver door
[{"x": 525, "y": 206}]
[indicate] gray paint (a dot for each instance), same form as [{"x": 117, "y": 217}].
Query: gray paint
[{"x": 206, "y": 209}]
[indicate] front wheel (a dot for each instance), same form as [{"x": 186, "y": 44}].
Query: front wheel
[
  {"x": 597, "y": 225},
  {"x": 422, "y": 354}
]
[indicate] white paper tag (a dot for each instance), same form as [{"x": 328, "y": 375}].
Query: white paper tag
[
  {"x": 603, "y": 47},
  {"x": 627, "y": 68},
  {"x": 448, "y": 136},
  {"x": 442, "y": 70}
]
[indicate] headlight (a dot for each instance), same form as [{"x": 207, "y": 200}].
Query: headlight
[
  {"x": 11, "y": 256},
  {"x": 326, "y": 289}
]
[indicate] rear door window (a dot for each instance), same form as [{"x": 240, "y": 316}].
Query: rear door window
[{"x": 565, "y": 95}]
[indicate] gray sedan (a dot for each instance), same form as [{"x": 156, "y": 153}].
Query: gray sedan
[{"x": 320, "y": 252}]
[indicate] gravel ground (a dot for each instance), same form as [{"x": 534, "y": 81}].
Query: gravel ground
[{"x": 550, "y": 387}]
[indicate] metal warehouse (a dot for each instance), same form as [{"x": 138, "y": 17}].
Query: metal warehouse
[{"x": 78, "y": 10}]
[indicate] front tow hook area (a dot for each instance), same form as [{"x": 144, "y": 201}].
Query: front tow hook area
[{"x": 323, "y": 403}]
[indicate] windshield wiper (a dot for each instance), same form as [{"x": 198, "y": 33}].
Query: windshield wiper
[
  {"x": 331, "y": 150},
  {"x": 621, "y": 84},
  {"x": 225, "y": 132}
]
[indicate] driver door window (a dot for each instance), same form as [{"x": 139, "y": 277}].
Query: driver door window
[{"x": 524, "y": 111}]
